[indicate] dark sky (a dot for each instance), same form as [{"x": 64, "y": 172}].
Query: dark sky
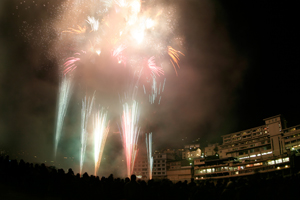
[{"x": 241, "y": 66}]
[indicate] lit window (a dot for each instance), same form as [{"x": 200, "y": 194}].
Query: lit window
[
  {"x": 287, "y": 159},
  {"x": 271, "y": 162},
  {"x": 257, "y": 164}
]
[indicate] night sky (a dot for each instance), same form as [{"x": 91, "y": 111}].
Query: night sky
[{"x": 241, "y": 66}]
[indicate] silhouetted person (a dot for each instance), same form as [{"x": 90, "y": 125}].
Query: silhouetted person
[
  {"x": 192, "y": 183},
  {"x": 70, "y": 172},
  {"x": 132, "y": 189},
  {"x": 127, "y": 180}
]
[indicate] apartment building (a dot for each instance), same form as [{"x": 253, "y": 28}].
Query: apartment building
[
  {"x": 179, "y": 170},
  {"x": 264, "y": 148},
  {"x": 191, "y": 151},
  {"x": 255, "y": 143},
  {"x": 210, "y": 149},
  {"x": 231, "y": 167},
  {"x": 160, "y": 164},
  {"x": 141, "y": 168},
  {"x": 291, "y": 138}
]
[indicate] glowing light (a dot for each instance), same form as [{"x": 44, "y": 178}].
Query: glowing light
[
  {"x": 135, "y": 6},
  {"x": 101, "y": 129},
  {"x": 149, "y": 23},
  {"x": 130, "y": 132},
  {"x": 65, "y": 88},
  {"x": 138, "y": 34}
]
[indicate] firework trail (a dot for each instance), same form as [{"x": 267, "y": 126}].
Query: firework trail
[
  {"x": 101, "y": 129},
  {"x": 63, "y": 101},
  {"x": 130, "y": 132},
  {"x": 86, "y": 110},
  {"x": 149, "y": 153}
]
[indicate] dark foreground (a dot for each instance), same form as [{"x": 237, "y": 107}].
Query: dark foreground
[{"x": 27, "y": 181}]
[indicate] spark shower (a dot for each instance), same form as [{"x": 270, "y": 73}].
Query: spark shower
[{"x": 137, "y": 35}]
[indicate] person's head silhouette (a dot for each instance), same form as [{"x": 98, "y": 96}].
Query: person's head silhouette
[{"x": 133, "y": 177}]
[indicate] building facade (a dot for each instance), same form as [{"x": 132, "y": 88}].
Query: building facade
[
  {"x": 255, "y": 143},
  {"x": 141, "y": 168},
  {"x": 211, "y": 149},
  {"x": 160, "y": 164},
  {"x": 191, "y": 151},
  {"x": 179, "y": 170}
]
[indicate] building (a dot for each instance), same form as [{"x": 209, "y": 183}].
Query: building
[
  {"x": 266, "y": 148},
  {"x": 255, "y": 143},
  {"x": 141, "y": 168},
  {"x": 291, "y": 137},
  {"x": 160, "y": 164},
  {"x": 271, "y": 147},
  {"x": 179, "y": 170},
  {"x": 211, "y": 149},
  {"x": 191, "y": 151},
  {"x": 230, "y": 167}
]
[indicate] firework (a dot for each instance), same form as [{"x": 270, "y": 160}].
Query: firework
[
  {"x": 154, "y": 68},
  {"x": 101, "y": 129},
  {"x": 86, "y": 110},
  {"x": 70, "y": 63},
  {"x": 153, "y": 91},
  {"x": 118, "y": 53},
  {"x": 63, "y": 101},
  {"x": 93, "y": 22},
  {"x": 174, "y": 54},
  {"x": 130, "y": 132},
  {"x": 149, "y": 154},
  {"x": 80, "y": 30},
  {"x": 138, "y": 34}
]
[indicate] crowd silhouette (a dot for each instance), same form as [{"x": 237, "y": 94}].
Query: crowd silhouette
[{"x": 44, "y": 182}]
